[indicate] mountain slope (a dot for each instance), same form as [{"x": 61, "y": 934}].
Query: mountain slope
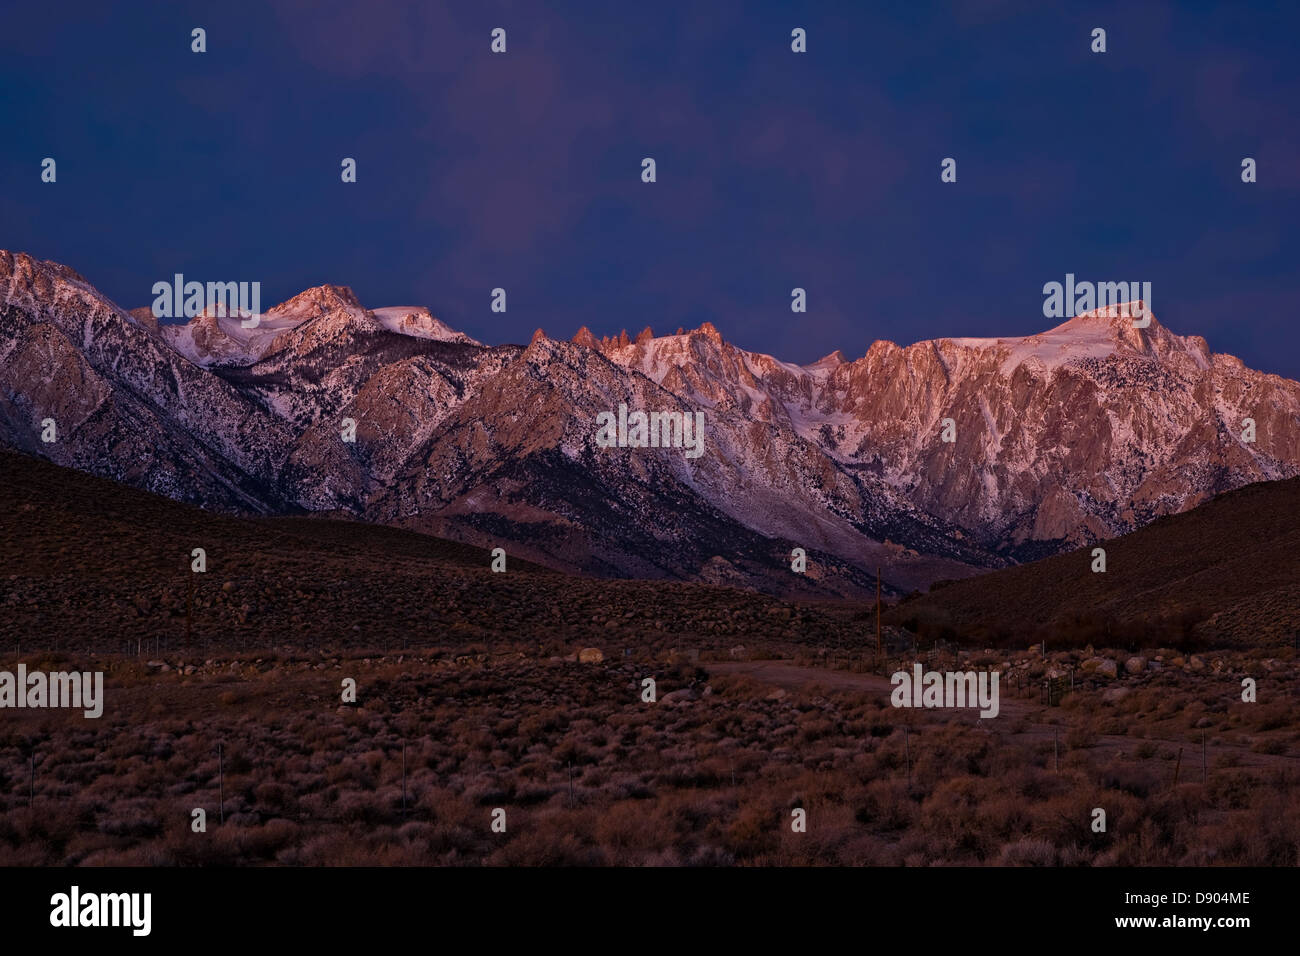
[
  {"x": 1083, "y": 432},
  {"x": 518, "y": 461},
  {"x": 1225, "y": 573},
  {"x": 121, "y": 403},
  {"x": 82, "y": 578}
]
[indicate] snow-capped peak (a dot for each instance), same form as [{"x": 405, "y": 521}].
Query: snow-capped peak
[{"x": 417, "y": 321}]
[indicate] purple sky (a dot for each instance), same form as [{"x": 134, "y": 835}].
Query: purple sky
[{"x": 775, "y": 169}]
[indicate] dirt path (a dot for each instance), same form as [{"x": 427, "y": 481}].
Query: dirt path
[{"x": 790, "y": 676}]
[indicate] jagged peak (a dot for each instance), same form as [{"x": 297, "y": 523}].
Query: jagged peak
[
  {"x": 708, "y": 330},
  {"x": 585, "y": 338},
  {"x": 829, "y": 361},
  {"x": 645, "y": 335},
  {"x": 1117, "y": 318},
  {"x": 538, "y": 336},
  {"x": 882, "y": 347},
  {"x": 22, "y": 269},
  {"x": 320, "y": 299}
]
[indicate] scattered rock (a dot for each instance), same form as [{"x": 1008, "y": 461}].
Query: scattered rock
[
  {"x": 1108, "y": 668},
  {"x": 1113, "y": 695},
  {"x": 1135, "y": 665},
  {"x": 591, "y": 655}
]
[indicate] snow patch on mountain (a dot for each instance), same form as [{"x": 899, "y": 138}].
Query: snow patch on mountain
[
  {"x": 211, "y": 340},
  {"x": 419, "y": 322}
]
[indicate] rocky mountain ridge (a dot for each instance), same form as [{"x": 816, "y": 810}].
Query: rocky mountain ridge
[{"x": 1082, "y": 432}]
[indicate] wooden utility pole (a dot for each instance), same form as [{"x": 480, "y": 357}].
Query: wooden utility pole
[{"x": 907, "y": 750}]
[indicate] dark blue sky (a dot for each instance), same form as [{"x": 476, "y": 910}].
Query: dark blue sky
[{"x": 775, "y": 170}]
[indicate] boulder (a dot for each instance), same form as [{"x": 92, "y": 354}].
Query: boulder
[
  {"x": 590, "y": 655},
  {"x": 1135, "y": 665},
  {"x": 1108, "y": 668}
]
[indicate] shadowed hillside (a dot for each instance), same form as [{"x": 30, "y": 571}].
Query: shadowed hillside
[
  {"x": 1226, "y": 573},
  {"x": 89, "y": 564}
]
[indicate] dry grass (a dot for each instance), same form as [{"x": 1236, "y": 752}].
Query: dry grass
[{"x": 590, "y": 775}]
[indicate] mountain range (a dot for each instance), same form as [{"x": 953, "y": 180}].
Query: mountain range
[{"x": 1081, "y": 433}]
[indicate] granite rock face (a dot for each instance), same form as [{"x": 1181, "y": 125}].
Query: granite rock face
[{"x": 1077, "y": 434}]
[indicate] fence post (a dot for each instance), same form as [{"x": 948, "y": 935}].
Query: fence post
[{"x": 907, "y": 750}]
